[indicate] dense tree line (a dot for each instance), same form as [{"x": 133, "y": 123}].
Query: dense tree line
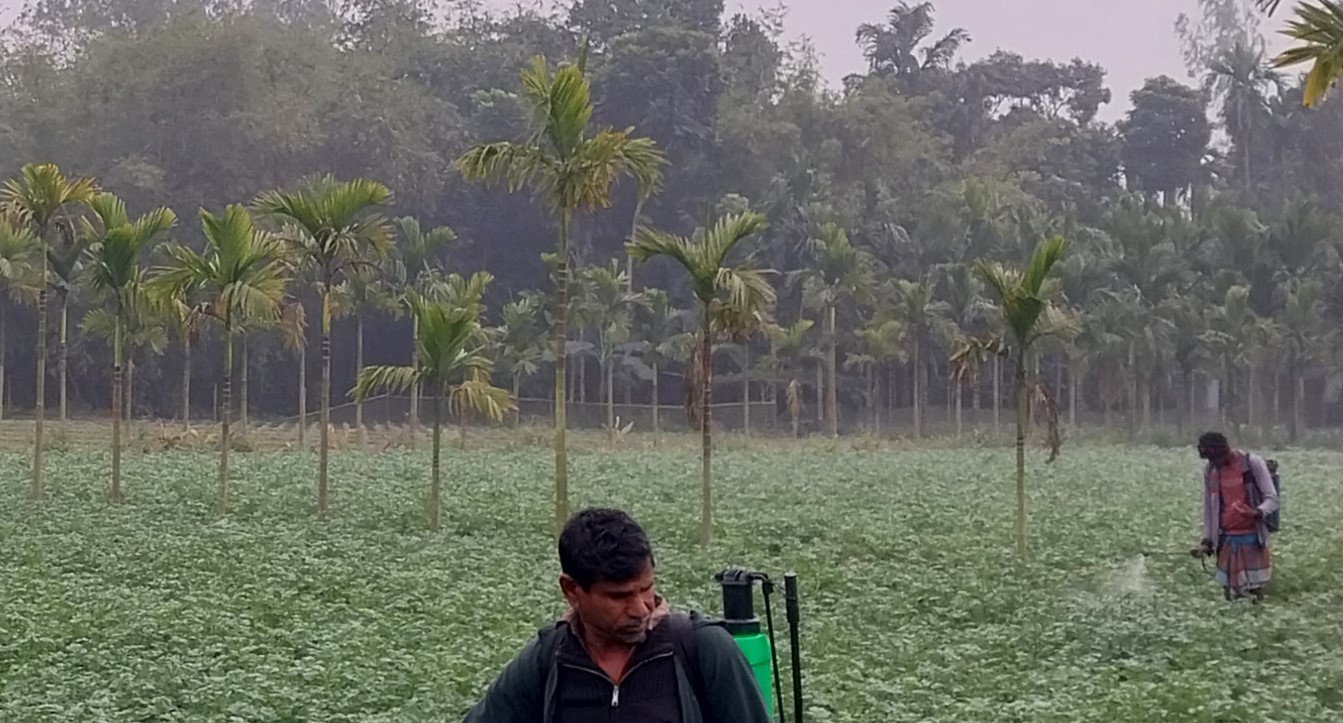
[{"x": 1203, "y": 227}]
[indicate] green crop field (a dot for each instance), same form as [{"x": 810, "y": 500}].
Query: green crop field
[{"x": 914, "y": 608}]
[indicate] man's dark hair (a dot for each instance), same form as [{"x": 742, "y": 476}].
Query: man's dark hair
[
  {"x": 603, "y": 545},
  {"x": 1213, "y": 440}
]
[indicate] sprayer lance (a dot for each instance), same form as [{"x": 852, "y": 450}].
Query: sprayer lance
[{"x": 794, "y": 617}]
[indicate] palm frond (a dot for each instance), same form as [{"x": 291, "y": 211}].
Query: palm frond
[
  {"x": 1319, "y": 27},
  {"x": 480, "y": 397},
  {"x": 391, "y": 378}
]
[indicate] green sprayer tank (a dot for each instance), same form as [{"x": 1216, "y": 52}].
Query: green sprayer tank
[{"x": 742, "y": 623}]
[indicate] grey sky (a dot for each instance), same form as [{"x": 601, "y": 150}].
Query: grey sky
[{"x": 1133, "y": 40}]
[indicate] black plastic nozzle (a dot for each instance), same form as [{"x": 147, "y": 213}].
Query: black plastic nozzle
[{"x": 739, "y": 599}]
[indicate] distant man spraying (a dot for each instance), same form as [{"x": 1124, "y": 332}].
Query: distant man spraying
[
  {"x": 1238, "y": 497},
  {"x": 618, "y": 654}
]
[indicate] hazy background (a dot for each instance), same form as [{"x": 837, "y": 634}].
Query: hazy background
[{"x": 1133, "y": 40}]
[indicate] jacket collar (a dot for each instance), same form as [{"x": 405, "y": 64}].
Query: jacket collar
[{"x": 574, "y": 650}]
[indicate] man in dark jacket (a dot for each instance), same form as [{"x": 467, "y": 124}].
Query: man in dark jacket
[{"x": 619, "y": 653}]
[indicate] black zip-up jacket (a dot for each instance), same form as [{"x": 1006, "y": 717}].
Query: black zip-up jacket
[{"x": 570, "y": 688}]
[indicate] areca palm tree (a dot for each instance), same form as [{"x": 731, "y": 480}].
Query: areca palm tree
[
  {"x": 660, "y": 335},
  {"x": 331, "y": 226},
  {"x": 572, "y": 170},
  {"x": 841, "y": 273},
  {"x": 240, "y": 277},
  {"x": 521, "y": 341},
  {"x": 448, "y": 343},
  {"x": 1241, "y": 77},
  {"x": 39, "y": 193},
  {"x": 919, "y": 310},
  {"x": 115, "y": 246},
  {"x": 894, "y": 49},
  {"x": 18, "y": 282},
  {"x": 788, "y": 350},
  {"x": 1319, "y": 28},
  {"x": 418, "y": 265},
  {"x": 364, "y": 290},
  {"x": 1024, "y": 299},
  {"x": 730, "y": 298}
]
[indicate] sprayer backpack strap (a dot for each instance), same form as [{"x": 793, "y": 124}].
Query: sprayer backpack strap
[{"x": 1273, "y": 520}]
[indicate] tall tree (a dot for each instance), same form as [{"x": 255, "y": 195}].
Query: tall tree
[
  {"x": 730, "y": 298},
  {"x": 573, "y": 170},
  {"x": 333, "y": 227},
  {"x": 240, "y": 277},
  {"x": 36, "y": 197},
  {"x": 1165, "y": 135},
  {"x": 115, "y": 246}
]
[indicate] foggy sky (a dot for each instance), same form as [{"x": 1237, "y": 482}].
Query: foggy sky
[{"x": 1133, "y": 40}]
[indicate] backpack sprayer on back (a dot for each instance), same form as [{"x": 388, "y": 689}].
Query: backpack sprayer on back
[{"x": 760, "y": 649}]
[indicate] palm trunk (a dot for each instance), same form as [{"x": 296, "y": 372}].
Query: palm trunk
[
  {"x": 1293, "y": 429},
  {"x": 517, "y": 413},
  {"x": 1145, "y": 391},
  {"x": 657, "y": 429},
  {"x": 435, "y": 481},
  {"x": 959, "y": 398},
  {"x": 1022, "y": 420},
  {"x": 62, "y": 361},
  {"x": 303, "y": 395},
  {"x": 997, "y": 396},
  {"x": 1187, "y": 378},
  {"x": 831, "y": 393},
  {"x": 129, "y": 401},
  {"x": 323, "y": 454},
  {"x": 820, "y": 392},
  {"x": 746, "y": 389},
  {"x": 872, "y": 401},
  {"x": 634, "y": 229},
  {"x": 461, "y": 426},
  {"x": 116, "y": 411},
  {"x": 415, "y": 387},
  {"x": 226, "y": 411},
  {"x": 1072, "y": 397},
  {"x": 918, "y": 390},
  {"x": 186, "y": 380},
  {"x": 876, "y": 403},
  {"x": 1133, "y": 391},
  {"x": 40, "y": 393},
  {"x": 561, "y": 331},
  {"x": 1249, "y": 397},
  {"x": 246, "y": 387},
  {"x": 358, "y": 367},
  {"x": 609, "y": 381},
  {"x": 706, "y": 441},
  {"x": 4, "y": 354}
]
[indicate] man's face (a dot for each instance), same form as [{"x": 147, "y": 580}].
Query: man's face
[
  {"x": 614, "y": 611},
  {"x": 1216, "y": 455}
]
